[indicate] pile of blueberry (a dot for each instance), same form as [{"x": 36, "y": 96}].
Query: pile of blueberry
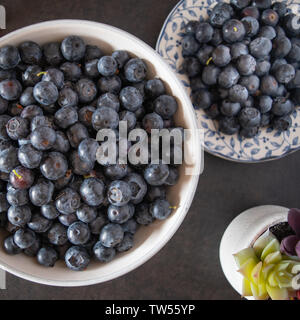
[
  {"x": 243, "y": 64},
  {"x": 56, "y": 200}
]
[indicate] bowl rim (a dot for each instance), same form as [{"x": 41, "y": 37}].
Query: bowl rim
[
  {"x": 206, "y": 149},
  {"x": 185, "y": 101}
]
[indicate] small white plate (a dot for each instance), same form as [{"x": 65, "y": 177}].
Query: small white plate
[
  {"x": 268, "y": 144},
  {"x": 241, "y": 233}
]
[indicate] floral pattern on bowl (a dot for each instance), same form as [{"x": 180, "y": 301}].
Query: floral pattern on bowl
[{"x": 268, "y": 144}]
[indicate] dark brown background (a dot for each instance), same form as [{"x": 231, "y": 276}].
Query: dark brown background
[{"x": 188, "y": 266}]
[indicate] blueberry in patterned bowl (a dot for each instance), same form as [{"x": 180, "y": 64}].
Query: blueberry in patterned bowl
[
  {"x": 183, "y": 52},
  {"x": 148, "y": 240}
]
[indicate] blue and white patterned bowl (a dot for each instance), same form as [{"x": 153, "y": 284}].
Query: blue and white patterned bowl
[{"x": 268, "y": 144}]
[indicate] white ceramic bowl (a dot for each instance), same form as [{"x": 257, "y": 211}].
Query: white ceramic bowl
[
  {"x": 241, "y": 234},
  {"x": 149, "y": 240}
]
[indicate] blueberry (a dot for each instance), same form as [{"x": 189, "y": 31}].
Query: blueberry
[
  {"x": 268, "y": 85},
  {"x": 202, "y": 99},
  {"x": 39, "y": 224},
  {"x": 280, "y": 8},
  {"x": 45, "y": 93},
  {"x": 204, "y": 32},
  {"x": 249, "y": 117},
  {"x": 111, "y": 235},
  {"x": 67, "y": 219},
  {"x": 262, "y": 68},
  {"x": 229, "y": 108},
  {"x": 160, "y": 209},
  {"x": 251, "y": 83},
  {"x": 130, "y": 98},
  {"x": 217, "y": 38},
  {"x": 85, "y": 115},
  {"x": 266, "y": 119},
  {"x": 54, "y": 166},
  {"x": 80, "y": 167},
  {"x": 73, "y": 48},
  {"x": 24, "y": 238},
  {"x": 263, "y": 4},
  {"x": 17, "y": 197},
  {"x": 246, "y": 65},
  {"x": 191, "y": 66},
  {"x": 260, "y": 47},
  {"x": 220, "y": 14},
  {"x": 34, "y": 248},
  {"x": 154, "y": 88},
  {"x": 10, "y": 89},
  {"x": 67, "y": 201},
  {"x": 120, "y": 214},
  {"x": 47, "y": 256},
  {"x": 109, "y": 100},
  {"x": 110, "y": 84},
  {"x": 31, "y": 76},
  {"x": 66, "y": 116},
  {"x": 52, "y": 53},
  {"x": 269, "y": 17},
  {"x": 250, "y": 132},
  {"x": 77, "y": 258},
  {"x": 221, "y": 56},
  {"x": 156, "y": 174},
  {"x": 228, "y": 77},
  {"x": 165, "y": 106},
  {"x": 10, "y": 247},
  {"x": 119, "y": 193},
  {"x": 210, "y": 75},
  {"x": 86, "y": 213},
  {"x": 238, "y": 93},
  {"x": 76, "y": 133},
  {"x": 91, "y": 68},
  {"x": 285, "y": 73},
  {"x": 190, "y": 45},
  {"x": 41, "y": 192},
  {"x": 30, "y": 52},
  {"x": 267, "y": 32},
  {"x": 130, "y": 226},
  {"x": 92, "y": 191},
  {"x": 105, "y": 118},
  {"x": 190, "y": 27},
  {"x": 137, "y": 186},
  {"x": 282, "y": 123},
  {"x": 86, "y": 90},
  {"x": 265, "y": 104},
  {"x": 282, "y": 106},
  {"x": 43, "y": 138},
  {"x": 135, "y": 70},
  {"x": 61, "y": 143},
  {"x": 173, "y": 176},
  {"x": 26, "y": 99},
  {"x": 41, "y": 121},
  {"x": 251, "y": 26},
  {"x": 291, "y": 24},
  {"x": 17, "y": 128},
  {"x": 143, "y": 215},
  {"x": 72, "y": 71},
  {"x": 233, "y": 31},
  {"x": 102, "y": 253},
  {"x": 21, "y": 178},
  {"x": 116, "y": 171},
  {"x": 152, "y": 121},
  {"x": 250, "y": 11},
  {"x": 49, "y": 211},
  {"x": 93, "y": 52},
  {"x": 294, "y": 54},
  {"x": 240, "y": 4},
  {"x": 9, "y": 57},
  {"x": 281, "y": 47},
  {"x": 121, "y": 57},
  {"x": 8, "y": 159},
  {"x": 197, "y": 84},
  {"x": 97, "y": 224},
  {"x": 229, "y": 125},
  {"x": 126, "y": 244},
  {"x": 78, "y": 233},
  {"x": 238, "y": 49},
  {"x": 31, "y": 111},
  {"x": 29, "y": 157},
  {"x": 107, "y": 66}
]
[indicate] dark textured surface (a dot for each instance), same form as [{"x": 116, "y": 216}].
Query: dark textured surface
[{"x": 188, "y": 266}]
